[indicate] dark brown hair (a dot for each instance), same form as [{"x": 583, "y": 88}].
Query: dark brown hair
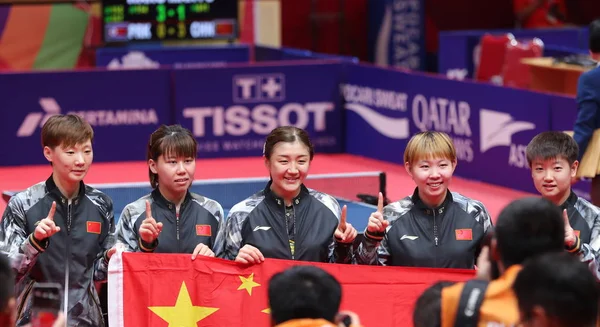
[
  {"x": 66, "y": 130},
  {"x": 287, "y": 134},
  {"x": 172, "y": 140},
  {"x": 552, "y": 145}
]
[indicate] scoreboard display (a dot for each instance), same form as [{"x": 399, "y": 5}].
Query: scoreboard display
[{"x": 163, "y": 20}]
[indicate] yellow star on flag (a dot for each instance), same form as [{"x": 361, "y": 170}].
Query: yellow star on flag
[
  {"x": 184, "y": 313},
  {"x": 248, "y": 283},
  {"x": 267, "y": 311}
]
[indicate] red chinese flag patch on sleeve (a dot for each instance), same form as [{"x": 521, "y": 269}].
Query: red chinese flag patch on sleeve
[
  {"x": 203, "y": 230},
  {"x": 576, "y": 232},
  {"x": 94, "y": 227},
  {"x": 465, "y": 234}
]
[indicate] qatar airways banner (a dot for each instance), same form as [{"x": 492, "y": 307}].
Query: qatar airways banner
[{"x": 490, "y": 126}]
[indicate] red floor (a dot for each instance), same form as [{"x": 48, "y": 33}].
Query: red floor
[{"x": 399, "y": 183}]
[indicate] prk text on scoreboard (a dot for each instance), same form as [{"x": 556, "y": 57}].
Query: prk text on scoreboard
[{"x": 161, "y": 20}]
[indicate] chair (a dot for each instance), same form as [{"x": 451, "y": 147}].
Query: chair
[
  {"x": 491, "y": 60},
  {"x": 515, "y": 73}
]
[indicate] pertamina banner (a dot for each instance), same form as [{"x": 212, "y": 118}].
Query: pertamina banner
[{"x": 123, "y": 107}]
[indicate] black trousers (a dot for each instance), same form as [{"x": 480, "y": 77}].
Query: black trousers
[{"x": 103, "y": 295}]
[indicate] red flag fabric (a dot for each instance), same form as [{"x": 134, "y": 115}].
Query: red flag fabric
[
  {"x": 464, "y": 234},
  {"x": 247, "y": 29},
  {"x": 171, "y": 290},
  {"x": 203, "y": 230}
]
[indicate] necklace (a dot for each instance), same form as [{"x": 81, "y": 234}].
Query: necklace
[{"x": 290, "y": 214}]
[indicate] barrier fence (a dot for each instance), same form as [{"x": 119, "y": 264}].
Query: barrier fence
[{"x": 346, "y": 107}]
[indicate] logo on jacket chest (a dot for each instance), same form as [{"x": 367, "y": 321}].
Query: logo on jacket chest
[
  {"x": 265, "y": 228},
  {"x": 408, "y": 237},
  {"x": 203, "y": 230},
  {"x": 465, "y": 234},
  {"x": 94, "y": 227}
]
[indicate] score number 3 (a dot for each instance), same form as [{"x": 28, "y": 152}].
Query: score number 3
[{"x": 161, "y": 30}]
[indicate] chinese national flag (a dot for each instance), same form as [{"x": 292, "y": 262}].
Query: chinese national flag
[{"x": 171, "y": 290}]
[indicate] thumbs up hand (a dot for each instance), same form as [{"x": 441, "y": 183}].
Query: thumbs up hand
[
  {"x": 150, "y": 229},
  {"x": 570, "y": 237},
  {"x": 46, "y": 227},
  {"x": 345, "y": 233},
  {"x": 376, "y": 222}
]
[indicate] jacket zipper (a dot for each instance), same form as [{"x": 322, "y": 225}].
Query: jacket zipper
[
  {"x": 435, "y": 230},
  {"x": 177, "y": 224},
  {"x": 287, "y": 231},
  {"x": 68, "y": 260},
  {"x": 435, "y": 238},
  {"x": 287, "y": 228},
  {"x": 294, "y": 221},
  {"x": 69, "y": 219},
  {"x": 177, "y": 214}
]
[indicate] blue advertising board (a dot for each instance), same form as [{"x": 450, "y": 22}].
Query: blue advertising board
[
  {"x": 265, "y": 53},
  {"x": 156, "y": 56},
  {"x": 490, "y": 126},
  {"x": 396, "y": 33},
  {"x": 123, "y": 107},
  {"x": 359, "y": 109},
  {"x": 231, "y": 110},
  {"x": 563, "y": 111}
]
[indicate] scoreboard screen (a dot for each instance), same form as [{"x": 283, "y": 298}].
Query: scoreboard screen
[{"x": 162, "y": 20}]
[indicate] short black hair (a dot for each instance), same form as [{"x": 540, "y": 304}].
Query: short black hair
[
  {"x": 552, "y": 145},
  {"x": 594, "y": 31},
  {"x": 428, "y": 307},
  {"x": 289, "y": 134},
  {"x": 304, "y": 292},
  {"x": 562, "y": 285},
  {"x": 529, "y": 227},
  {"x": 7, "y": 282}
]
